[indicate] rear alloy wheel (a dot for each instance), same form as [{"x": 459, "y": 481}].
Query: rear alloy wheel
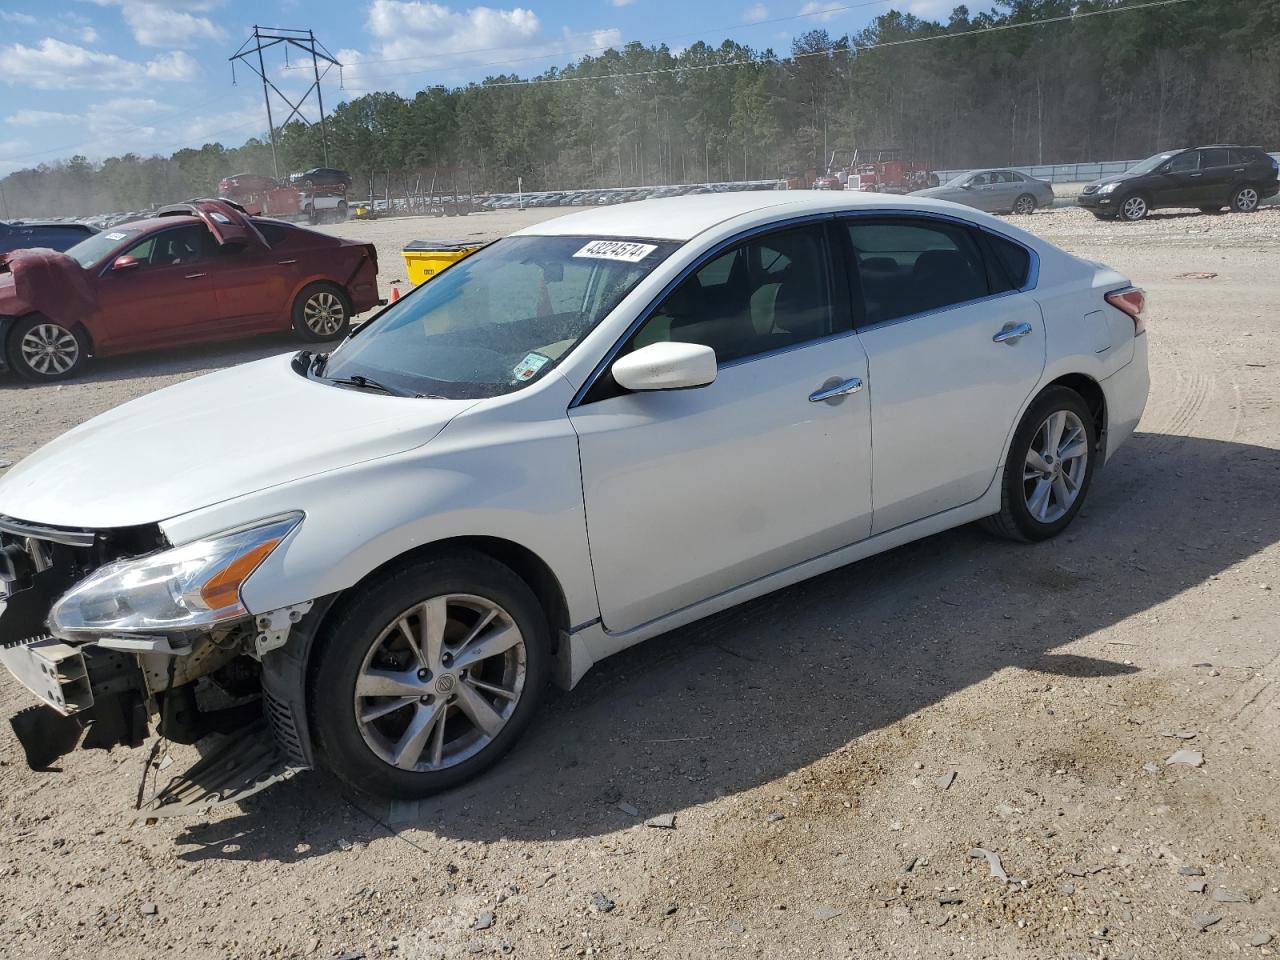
[
  {"x": 429, "y": 677},
  {"x": 322, "y": 312},
  {"x": 1049, "y": 468},
  {"x": 1245, "y": 200},
  {"x": 1025, "y": 204},
  {"x": 43, "y": 350},
  {"x": 1133, "y": 208}
]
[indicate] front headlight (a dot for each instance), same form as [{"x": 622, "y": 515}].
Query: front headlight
[
  {"x": 1108, "y": 187},
  {"x": 188, "y": 587}
]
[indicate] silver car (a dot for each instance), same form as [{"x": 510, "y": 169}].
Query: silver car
[{"x": 996, "y": 191}]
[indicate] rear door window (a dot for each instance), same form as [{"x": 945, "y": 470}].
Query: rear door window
[
  {"x": 908, "y": 266},
  {"x": 1215, "y": 157},
  {"x": 1012, "y": 267}
]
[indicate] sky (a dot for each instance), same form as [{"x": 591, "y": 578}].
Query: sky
[{"x": 107, "y": 77}]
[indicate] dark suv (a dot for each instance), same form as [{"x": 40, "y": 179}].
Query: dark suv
[
  {"x": 57, "y": 235},
  {"x": 1206, "y": 177}
]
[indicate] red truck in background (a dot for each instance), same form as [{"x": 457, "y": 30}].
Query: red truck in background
[
  {"x": 316, "y": 195},
  {"x": 882, "y": 170}
]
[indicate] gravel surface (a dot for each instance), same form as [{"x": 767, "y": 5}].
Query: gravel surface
[{"x": 817, "y": 767}]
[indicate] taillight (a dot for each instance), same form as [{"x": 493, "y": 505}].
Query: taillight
[{"x": 1132, "y": 301}]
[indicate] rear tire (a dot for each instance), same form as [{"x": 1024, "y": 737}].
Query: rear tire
[
  {"x": 410, "y": 743},
  {"x": 322, "y": 311},
  {"x": 1049, "y": 468},
  {"x": 1025, "y": 205},
  {"x": 45, "y": 351},
  {"x": 1245, "y": 199}
]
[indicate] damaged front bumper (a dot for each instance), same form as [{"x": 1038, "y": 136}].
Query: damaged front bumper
[{"x": 209, "y": 688}]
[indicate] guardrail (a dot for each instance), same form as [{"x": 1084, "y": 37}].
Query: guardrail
[{"x": 1057, "y": 172}]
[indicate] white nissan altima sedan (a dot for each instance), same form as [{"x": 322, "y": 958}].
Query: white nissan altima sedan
[{"x": 588, "y": 433}]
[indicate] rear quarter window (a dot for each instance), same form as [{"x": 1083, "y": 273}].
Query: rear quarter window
[{"x": 1012, "y": 261}]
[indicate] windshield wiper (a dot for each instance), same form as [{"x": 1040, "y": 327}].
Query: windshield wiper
[{"x": 363, "y": 383}]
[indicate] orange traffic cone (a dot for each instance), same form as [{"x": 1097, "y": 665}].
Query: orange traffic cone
[{"x": 395, "y": 294}]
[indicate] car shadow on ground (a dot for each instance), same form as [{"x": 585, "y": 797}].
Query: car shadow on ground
[
  {"x": 751, "y": 694},
  {"x": 178, "y": 361}
]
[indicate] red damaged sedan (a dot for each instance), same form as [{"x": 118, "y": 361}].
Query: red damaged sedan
[{"x": 195, "y": 272}]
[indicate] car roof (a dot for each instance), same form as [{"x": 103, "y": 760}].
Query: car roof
[{"x": 683, "y": 218}]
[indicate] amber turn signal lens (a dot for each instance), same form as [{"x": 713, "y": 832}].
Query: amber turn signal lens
[{"x": 223, "y": 588}]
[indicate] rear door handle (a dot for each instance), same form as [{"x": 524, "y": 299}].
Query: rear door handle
[
  {"x": 196, "y": 276},
  {"x": 852, "y": 385},
  {"x": 288, "y": 261},
  {"x": 1012, "y": 333}
]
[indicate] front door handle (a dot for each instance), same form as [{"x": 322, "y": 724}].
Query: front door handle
[
  {"x": 842, "y": 389},
  {"x": 288, "y": 261},
  {"x": 1012, "y": 333},
  {"x": 195, "y": 276}
]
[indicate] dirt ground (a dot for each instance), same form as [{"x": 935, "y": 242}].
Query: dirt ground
[{"x": 829, "y": 754}]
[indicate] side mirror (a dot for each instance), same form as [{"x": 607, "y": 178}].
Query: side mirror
[
  {"x": 125, "y": 263},
  {"x": 967, "y": 185},
  {"x": 666, "y": 366}
]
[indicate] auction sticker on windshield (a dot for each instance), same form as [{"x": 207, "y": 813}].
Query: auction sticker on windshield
[
  {"x": 622, "y": 250},
  {"x": 530, "y": 365}
]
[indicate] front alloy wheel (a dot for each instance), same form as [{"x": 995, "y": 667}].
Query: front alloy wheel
[
  {"x": 427, "y": 676},
  {"x": 1133, "y": 209},
  {"x": 440, "y": 682},
  {"x": 43, "y": 350}
]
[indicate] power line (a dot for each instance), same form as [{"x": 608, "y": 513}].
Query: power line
[
  {"x": 455, "y": 54},
  {"x": 827, "y": 51}
]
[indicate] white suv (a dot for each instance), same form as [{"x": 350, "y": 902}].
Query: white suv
[{"x": 586, "y": 434}]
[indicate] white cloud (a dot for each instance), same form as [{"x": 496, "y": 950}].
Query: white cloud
[
  {"x": 57, "y": 65},
  {"x": 88, "y": 35},
  {"x": 822, "y": 12},
  {"x": 414, "y": 37},
  {"x": 12, "y": 16},
  {"x": 756, "y": 13},
  {"x": 38, "y": 118},
  {"x": 173, "y": 66},
  {"x": 154, "y": 25}
]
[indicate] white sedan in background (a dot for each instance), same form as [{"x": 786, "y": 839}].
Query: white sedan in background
[{"x": 591, "y": 432}]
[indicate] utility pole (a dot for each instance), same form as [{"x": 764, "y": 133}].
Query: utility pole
[{"x": 264, "y": 38}]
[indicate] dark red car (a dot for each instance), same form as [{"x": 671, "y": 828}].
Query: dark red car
[{"x": 195, "y": 272}]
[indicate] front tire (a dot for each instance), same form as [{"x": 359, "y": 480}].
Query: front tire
[
  {"x": 1133, "y": 208},
  {"x": 1049, "y": 468},
  {"x": 44, "y": 351},
  {"x": 1024, "y": 205},
  {"x": 1245, "y": 199},
  {"x": 429, "y": 676},
  {"x": 322, "y": 311}
]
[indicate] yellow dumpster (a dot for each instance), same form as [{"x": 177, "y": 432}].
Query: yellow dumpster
[{"x": 425, "y": 258}]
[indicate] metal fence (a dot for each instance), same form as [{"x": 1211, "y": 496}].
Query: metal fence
[{"x": 1060, "y": 172}]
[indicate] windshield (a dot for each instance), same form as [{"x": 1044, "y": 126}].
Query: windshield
[
  {"x": 957, "y": 180},
  {"x": 91, "y": 251},
  {"x": 1149, "y": 164},
  {"x": 498, "y": 320}
]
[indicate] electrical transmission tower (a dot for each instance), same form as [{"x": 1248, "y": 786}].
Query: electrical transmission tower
[{"x": 264, "y": 38}]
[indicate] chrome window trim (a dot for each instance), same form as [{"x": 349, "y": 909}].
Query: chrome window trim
[
  {"x": 612, "y": 353},
  {"x": 1033, "y": 280}
]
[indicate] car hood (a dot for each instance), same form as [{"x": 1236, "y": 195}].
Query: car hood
[
  {"x": 1111, "y": 178},
  {"x": 46, "y": 280},
  {"x": 212, "y": 439}
]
